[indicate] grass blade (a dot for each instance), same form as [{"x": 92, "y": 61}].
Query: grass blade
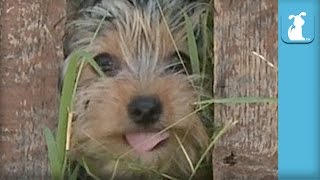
[
  {"x": 75, "y": 173},
  {"x": 65, "y": 103},
  {"x": 185, "y": 153},
  {"x": 89, "y": 59},
  {"x": 85, "y": 165},
  {"x": 54, "y": 158},
  {"x": 70, "y": 82},
  {"x": 193, "y": 50},
  {"x": 215, "y": 139},
  {"x": 238, "y": 100}
]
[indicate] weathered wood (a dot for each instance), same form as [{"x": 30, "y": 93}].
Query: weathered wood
[
  {"x": 30, "y": 53},
  {"x": 249, "y": 150}
]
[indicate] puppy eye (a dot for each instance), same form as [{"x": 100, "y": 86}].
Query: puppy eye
[
  {"x": 178, "y": 65},
  {"x": 108, "y": 64}
]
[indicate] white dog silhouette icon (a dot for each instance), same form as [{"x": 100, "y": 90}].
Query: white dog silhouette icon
[{"x": 295, "y": 30}]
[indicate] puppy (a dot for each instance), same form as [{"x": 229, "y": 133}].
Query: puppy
[{"x": 138, "y": 122}]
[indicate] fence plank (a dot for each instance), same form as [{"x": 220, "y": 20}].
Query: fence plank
[
  {"x": 249, "y": 150},
  {"x": 30, "y": 53}
]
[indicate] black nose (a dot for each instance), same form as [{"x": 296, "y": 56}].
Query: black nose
[{"x": 145, "y": 109}]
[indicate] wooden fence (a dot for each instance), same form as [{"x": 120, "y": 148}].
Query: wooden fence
[
  {"x": 30, "y": 54},
  {"x": 242, "y": 29}
]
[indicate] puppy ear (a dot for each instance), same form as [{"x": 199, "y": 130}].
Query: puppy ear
[
  {"x": 292, "y": 16},
  {"x": 303, "y": 14}
]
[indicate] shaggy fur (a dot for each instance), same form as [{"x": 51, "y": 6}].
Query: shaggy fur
[{"x": 142, "y": 37}]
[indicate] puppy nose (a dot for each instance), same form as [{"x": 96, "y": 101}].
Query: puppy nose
[{"x": 145, "y": 110}]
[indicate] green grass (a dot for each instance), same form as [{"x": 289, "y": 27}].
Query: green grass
[
  {"x": 201, "y": 58},
  {"x": 192, "y": 44},
  {"x": 57, "y": 144}
]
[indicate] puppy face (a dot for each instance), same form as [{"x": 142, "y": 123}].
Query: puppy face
[{"x": 134, "y": 121}]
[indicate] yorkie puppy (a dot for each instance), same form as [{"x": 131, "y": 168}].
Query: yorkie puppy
[{"x": 138, "y": 122}]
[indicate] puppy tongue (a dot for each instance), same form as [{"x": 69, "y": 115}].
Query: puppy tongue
[{"x": 143, "y": 142}]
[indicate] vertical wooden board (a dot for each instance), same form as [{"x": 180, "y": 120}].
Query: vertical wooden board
[
  {"x": 30, "y": 54},
  {"x": 249, "y": 150}
]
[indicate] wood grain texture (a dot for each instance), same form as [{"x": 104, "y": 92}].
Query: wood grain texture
[
  {"x": 249, "y": 150},
  {"x": 30, "y": 54}
]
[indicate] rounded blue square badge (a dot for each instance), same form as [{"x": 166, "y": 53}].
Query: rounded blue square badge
[{"x": 297, "y": 26}]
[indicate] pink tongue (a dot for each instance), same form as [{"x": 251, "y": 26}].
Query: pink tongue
[{"x": 145, "y": 141}]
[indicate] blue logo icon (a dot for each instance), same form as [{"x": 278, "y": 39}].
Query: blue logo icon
[{"x": 297, "y": 28}]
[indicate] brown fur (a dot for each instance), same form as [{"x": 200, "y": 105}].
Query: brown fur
[{"x": 143, "y": 49}]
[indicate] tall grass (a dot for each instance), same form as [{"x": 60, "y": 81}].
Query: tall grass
[{"x": 57, "y": 145}]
